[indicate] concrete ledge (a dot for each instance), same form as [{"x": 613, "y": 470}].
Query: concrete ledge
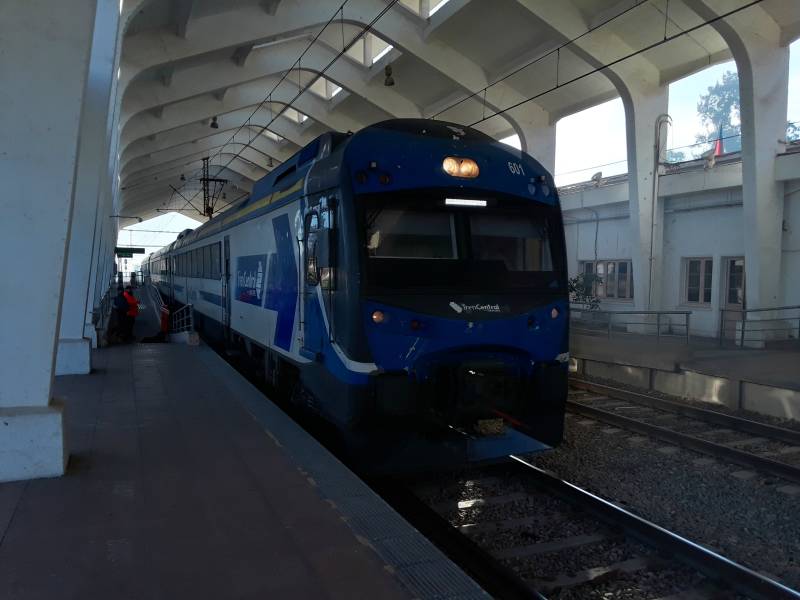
[
  {"x": 698, "y": 386},
  {"x": 630, "y": 375},
  {"x": 74, "y": 357},
  {"x": 693, "y": 385},
  {"x": 775, "y": 401},
  {"x": 32, "y": 442}
]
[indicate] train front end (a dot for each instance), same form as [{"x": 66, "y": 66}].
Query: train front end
[{"x": 463, "y": 295}]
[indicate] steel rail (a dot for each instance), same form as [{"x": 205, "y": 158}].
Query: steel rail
[
  {"x": 711, "y": 416},
  {"x": 715, "y": 566},
  {"x": 739, "y": 457}
]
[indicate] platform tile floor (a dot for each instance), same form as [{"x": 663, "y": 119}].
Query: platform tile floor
[{"x": 175, "y": 490}]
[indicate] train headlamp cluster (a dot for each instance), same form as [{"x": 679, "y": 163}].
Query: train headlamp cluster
[{"x": 465, "y": 168}]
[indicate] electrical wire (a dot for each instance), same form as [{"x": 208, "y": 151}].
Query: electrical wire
[
  {"x": 556, "y": 51},
  {"x": 618, "y": 60},
  {"x": 302, "y": 89}
]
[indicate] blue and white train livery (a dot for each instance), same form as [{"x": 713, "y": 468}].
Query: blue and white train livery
[{"x": 407, "y": 282}]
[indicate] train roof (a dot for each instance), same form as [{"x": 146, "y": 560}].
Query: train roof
[{"x": 421, "y": 143}]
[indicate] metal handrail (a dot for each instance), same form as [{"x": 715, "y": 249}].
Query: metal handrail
[
  {"x": 182, "y": 319},
  {"x": 742, "y": 317},
  {"x": 659, "y": 314}
]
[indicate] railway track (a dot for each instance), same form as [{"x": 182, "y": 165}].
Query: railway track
[
  {"x": 564, "y": 542},
  {"x": 752, "y": 444}
]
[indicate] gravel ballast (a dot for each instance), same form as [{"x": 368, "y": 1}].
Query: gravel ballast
[{"x": 748, "y": 519}]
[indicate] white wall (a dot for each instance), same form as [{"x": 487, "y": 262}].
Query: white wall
[
  {"x": 702, "y": 218},
  {"x": 700, "y": 225},
  {"x": 790, "y": 265}
]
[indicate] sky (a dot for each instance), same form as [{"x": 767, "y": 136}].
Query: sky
[
  {"x": 594, "y": 139},
  {"x": 152, "y": 235},
  {"x": 586, "y": 142}
]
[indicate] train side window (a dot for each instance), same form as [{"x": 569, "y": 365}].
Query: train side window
[
  {"x": 207, "y": 262},
  {"x": 311, "y": 229},
  {"x": 215, "y": 261}
]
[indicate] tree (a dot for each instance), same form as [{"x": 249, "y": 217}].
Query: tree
[
  {"x": 675, "y": 156},
  {"x": 792, "y": 131},
  {"x": 582, "y": 289},
  {"x": 718, "y": 108}
]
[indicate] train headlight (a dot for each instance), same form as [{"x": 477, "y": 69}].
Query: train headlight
[
  {"x": 554, "y": 313},
  {"x": 460, "y": 167},
  {"x": 378, "y": 317}
]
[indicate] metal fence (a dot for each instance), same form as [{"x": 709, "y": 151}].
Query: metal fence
[
  {"x": 760, "y": 327},
  {"x": 667, "y": 324}
]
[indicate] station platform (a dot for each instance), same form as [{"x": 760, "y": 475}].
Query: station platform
[
  {"x": 764, "y": 381},
  {"x": 185, "y": 481}
]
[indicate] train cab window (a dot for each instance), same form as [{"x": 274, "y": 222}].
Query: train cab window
[
  {"x": 311, "y": 229},
  {"x": 520, "y": 243},
  {"x": 394, "y": 233}
]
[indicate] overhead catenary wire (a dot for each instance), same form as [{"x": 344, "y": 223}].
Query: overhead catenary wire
[
  {"x": 268, "y": 98},
  {"x": 554, "y": 51},
  {"x": 616, "y": 61}
]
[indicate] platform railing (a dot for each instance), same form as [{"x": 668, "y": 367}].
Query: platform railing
[
  {"x": 660, "y": 324},
  {"x": 773, "y": 327},
  {"x": 182, "y": 320}
]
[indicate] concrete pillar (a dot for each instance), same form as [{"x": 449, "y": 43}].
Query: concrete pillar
[
  {"x": 642, "y": 109},
  {"x": 537, "y": 134},
  {"x": 763, "y": 65},
  {"x": 43, "y": 66},
  {"x": 74, "y": 347}
]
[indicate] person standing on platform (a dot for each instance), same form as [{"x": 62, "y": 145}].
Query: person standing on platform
[
  {"x": 133, "y": 311},
  {"x": 120, "y": 314}
]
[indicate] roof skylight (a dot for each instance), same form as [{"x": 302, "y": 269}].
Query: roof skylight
[
  {"x": 437, "y": 7},
  {"x": 294, "y": 115}
]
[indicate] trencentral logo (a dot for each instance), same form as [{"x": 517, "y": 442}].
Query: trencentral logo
[
  {"x": 473, "y": 308},
  {"x": 250, "y": 279}
]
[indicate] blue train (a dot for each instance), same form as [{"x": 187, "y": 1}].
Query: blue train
[{"x": 407, "y": 282}]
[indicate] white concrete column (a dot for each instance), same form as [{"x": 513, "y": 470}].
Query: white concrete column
[
  {"x": 43, "y": 66},
  {"x": 763, "y": 65},
  {"x": 537, "y": 133},
  {"x": 74, "y": 347},
  {"x": 642, "y": 109}
]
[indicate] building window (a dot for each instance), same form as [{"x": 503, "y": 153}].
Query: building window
[
  {"x": 698, "y": 280},
  {"x": 614, "y": 278}
]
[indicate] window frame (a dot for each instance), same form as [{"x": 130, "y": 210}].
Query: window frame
[
  {"x": 310, "y": 247},
  {"x": 700, "y": 302},
  {"x": 601, "y": 289}
]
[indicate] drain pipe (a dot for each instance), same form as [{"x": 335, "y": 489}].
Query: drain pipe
[{"x": 661, "y": 120}]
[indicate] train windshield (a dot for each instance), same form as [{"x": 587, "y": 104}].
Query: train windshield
[{"x": 474, "y": 244}]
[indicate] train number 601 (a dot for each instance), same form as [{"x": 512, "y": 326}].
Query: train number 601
[{"x": 516, "y": 168}]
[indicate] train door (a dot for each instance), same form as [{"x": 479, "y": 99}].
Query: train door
[
  {"x": 226, "y": 286},
  {"x": 172, "y": 275}
]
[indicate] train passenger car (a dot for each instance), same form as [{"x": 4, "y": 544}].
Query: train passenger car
[{"x": 407, "y": 282}]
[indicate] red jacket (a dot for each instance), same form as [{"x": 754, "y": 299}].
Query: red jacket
[{"x": 133, "y": 304}]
